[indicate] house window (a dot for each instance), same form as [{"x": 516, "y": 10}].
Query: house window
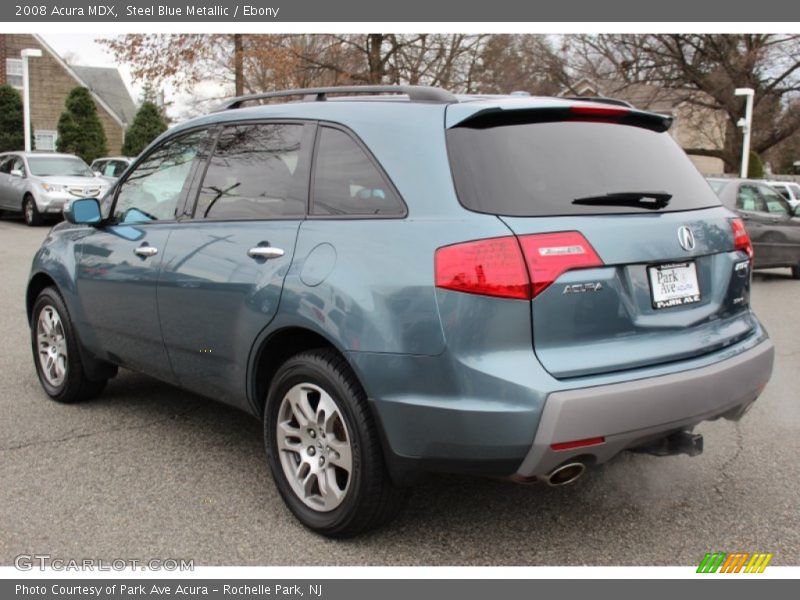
[
  {"x": 45, "y": 139},
  {"x": 14, "y": 72}
]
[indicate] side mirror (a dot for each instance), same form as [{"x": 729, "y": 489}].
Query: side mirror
[
  {"x": 85, "y": 211},
  {"x": 97, "y": 173},
  {"x": 796, "y": 211},
  {"x": 17, "y": 173}
]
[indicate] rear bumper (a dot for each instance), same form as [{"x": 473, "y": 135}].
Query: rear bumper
[{"x": 630, "y": 414}]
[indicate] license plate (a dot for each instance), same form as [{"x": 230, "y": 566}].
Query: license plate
[{"x": 674, "y": 284}]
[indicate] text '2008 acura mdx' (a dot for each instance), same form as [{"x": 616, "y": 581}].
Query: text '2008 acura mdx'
[{"x": 400, "y": 280}]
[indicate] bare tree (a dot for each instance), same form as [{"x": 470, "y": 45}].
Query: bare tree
[{"x": 708, "y": 68}]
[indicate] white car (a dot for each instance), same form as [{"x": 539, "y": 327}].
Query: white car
[
  {"x": 789, "y": 190},
  {"x": 38, "y": 184}
]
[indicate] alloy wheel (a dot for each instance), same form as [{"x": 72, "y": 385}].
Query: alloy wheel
[
  {"x": 52, "y": 346},
  {"x": 314, "y": 446}
]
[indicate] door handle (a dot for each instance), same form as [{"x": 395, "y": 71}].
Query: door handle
[
  {"x": 265, "y": 252},
  {"x": 146, "y": 251}
]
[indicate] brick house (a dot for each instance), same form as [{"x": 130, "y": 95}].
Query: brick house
[
  {"x": 693, "y": 126},
  {"x": 52, "y": 79}
]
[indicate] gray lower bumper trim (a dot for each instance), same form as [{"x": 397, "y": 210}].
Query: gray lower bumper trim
[{"x": 627, "y": 414}]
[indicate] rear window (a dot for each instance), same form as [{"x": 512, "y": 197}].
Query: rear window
[{"x": 538, "y": 169}]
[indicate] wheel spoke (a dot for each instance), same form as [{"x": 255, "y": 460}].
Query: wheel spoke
[
  {"x": 341, "y": 455},
  {"x": 301, "y": 409}
]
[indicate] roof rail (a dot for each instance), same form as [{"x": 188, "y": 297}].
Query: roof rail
[
  {"x": 415, "y": 93},
  {"x": 601, "y": 100}
]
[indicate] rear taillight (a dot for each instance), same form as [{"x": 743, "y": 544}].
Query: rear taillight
[
  {"x": 511, "y": 267},
  {"x": 492, "y": 267},
  {"x": 741, "y": 239}
]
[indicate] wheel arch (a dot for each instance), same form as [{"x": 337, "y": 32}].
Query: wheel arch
[
  {"x": 35, "y": 286},
  {"x": 273, "y": 350}
]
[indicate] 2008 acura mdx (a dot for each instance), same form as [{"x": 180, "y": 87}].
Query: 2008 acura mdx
[{"x": 401, "y": 280}]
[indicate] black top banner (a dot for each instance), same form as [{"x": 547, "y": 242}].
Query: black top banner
[{"x": 408, "y": 10}]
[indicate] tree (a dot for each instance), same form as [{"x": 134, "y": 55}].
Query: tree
[
  {"x": 147, "y": 125},
  {"x": 250, "y": 63},
  {"x": 80, "y": 131},
  {"x": 11, "y": 119},
  {"x": 520, "y": 62},
  {"x": 755, "y": 167},
  {"x": 708, "y": 68}
]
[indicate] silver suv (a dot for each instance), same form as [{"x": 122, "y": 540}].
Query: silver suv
[{"x": 38, "y": 184}]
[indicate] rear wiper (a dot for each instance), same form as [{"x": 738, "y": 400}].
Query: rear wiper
[{"x": 648, "y": 200}]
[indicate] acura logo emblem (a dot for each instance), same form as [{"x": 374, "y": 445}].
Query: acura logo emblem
[{"x": 686, "y": 238}]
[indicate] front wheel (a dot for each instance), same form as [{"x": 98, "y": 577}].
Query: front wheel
[
  {"x": 323, "y": 447},
  {"x": 31, "y": 212},
  {"x": 55, "y": 351}
]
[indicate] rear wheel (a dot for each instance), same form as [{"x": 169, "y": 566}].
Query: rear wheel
[
  {"x": 323, "y": 447},
  {"x": 796, "y": 272},
  {"x": 31, "y": 213},
  {"x": 55, "y": 351}
]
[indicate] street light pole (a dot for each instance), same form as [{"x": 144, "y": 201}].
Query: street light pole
[
  {"x": 26, "y": 93},
  {"x": 745, "y": 124}
]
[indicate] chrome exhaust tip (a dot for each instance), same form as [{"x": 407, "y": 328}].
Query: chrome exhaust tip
[{"x": 565, "y": 474}]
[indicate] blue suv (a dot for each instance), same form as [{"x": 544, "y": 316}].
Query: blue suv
[{"x": 398, "y": 280}]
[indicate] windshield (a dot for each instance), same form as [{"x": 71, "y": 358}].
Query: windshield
[
  {"x": 540, "y": 169},
  {"x": 45, "y": 166}
]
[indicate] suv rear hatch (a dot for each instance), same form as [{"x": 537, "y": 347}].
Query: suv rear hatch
[{"x": 632, "y": 259}]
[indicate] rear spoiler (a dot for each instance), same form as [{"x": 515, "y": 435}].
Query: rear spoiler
[{"x": 584, "y": 111}]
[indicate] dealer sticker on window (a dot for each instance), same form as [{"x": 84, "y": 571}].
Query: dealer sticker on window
[{"x": 674, "y": 284}]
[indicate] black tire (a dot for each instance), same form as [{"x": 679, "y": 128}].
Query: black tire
[
  {"x": 371, "y": 498},
  {"x": 795, "y": 272},
  {"x": 30, "y": 212},
  {"x": 76, "y": 386}
]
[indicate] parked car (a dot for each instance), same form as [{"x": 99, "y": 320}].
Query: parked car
[
  {"x": 772, "y": 223},
  {"x": 789, "y": 190},
  {"x": 413, "y": 281},
  {"x": 110, "y": 167},
  {"x": 38, "y": 184}
]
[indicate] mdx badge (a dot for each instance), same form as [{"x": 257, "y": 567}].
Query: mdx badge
[
  {"x": 580, "y": 288},
  {"x": 686, "y": 238}
]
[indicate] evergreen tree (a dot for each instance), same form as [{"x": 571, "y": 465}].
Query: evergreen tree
[
  {"x": 11, "y": 121},
  {"x": 755, "y": 167},
  {"x": 80, "y": 130},
  {"x": 147, "y": 125}
]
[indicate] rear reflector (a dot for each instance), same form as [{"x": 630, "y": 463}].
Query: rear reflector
[
  {"x": 741, "y": 239},
  {"x": 577, "y": 444},
  {"x": 511, "y": 267}
]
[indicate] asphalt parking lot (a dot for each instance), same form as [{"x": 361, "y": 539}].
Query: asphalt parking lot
[{"x": 148, "y": 471}]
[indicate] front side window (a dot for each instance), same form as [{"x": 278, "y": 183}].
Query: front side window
[
  {"x": 5, "y": 164},
  {"x": 774, "y": 202},
  {"x": 747, "y": 198},
  {"x": 114, "y": 168},
  {"x": 154, "y": 189},
  {"x": 347, "y": 182},
  {"x": 256, "y": 172}
]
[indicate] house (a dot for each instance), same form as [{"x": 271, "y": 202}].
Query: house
[
  {"x": 52, "y": 79},
  {"x": 693, "y": 127}
]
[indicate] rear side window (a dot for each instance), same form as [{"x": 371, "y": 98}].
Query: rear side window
[
  {"x": 538, "y": 169},
  {"x": 347, "y": 181},
  {"x": 255, "y": 173}
]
